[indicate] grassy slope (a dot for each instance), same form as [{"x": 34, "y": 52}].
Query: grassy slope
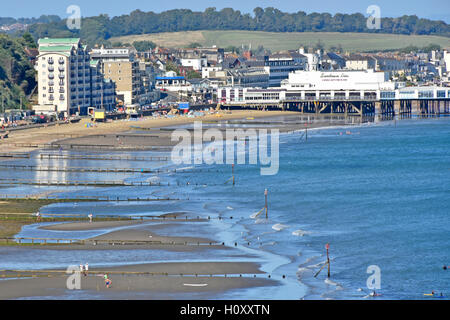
[{"x": 289, "y": 40}]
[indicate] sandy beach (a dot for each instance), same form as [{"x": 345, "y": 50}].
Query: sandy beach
[
  {"x": 131, "y": 281},
  {"x": 144, "y": 281},
  {"x": 83, "y": 135},
  {"x": 136, "y": 286}
]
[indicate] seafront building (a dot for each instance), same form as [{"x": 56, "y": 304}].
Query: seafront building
[
  {"x": 279, "y": 65},
  {"x": 121, "y": 66},
  {"x": 319, "y": 90},
  {"x": 67, "y": 82}
]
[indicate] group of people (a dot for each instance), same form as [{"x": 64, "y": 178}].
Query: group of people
[{"x": 84, "y": 269}]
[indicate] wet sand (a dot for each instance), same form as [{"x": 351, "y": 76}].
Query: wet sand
[
  {"x": 129, "y": 287},
  {"x": 80, "y": 226},
  {"x": 79, "y": 131}
]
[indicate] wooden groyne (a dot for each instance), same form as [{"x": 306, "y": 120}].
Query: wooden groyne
[
  {"x": 14, "y": 155},
  {"x": 79, "y": 169},
  {"x": 17, "y": 197},
  {"x": 101, "y": 170},
  {"x": 101, "y": 157},
  {"x": 79, "y": 183},
  {"x": 87, "y": 147},
  {"x": 42, "y": 273}
]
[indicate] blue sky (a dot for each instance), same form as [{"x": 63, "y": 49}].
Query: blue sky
[{"x": 431, "y": 9}]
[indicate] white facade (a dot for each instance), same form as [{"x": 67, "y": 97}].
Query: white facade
[
  {"x": 279, "y": 68},
  {"x": 63, "y": 75},
  {"x": 196, "y": 63},
  {"x": 173, "y": 84},
  {"x": 68, "y": 83},
  {"x": 447, "y": 61},
  {"x": 335, "y": 80},
  {"x": 208, "y": 71}
]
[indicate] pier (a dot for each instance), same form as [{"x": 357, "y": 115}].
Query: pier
[
  {"x": 340, "y": 92},
  {"x": 101, "y": 157},
  {"x": 351, "y": 107}
]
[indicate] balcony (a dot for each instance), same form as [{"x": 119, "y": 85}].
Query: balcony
[
  {"x": 51, "y": 76},
  {"x": 50, "y": 61},
  {"x": 51, "y": 68},
  {"x": 61, "y": 68},
  {"x": 62, "y": 76}
]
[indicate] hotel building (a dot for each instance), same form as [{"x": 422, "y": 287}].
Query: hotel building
[{"x": 65, "y": 79}]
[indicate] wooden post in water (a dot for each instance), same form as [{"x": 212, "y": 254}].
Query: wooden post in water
[
  {"x": 232, "y": 172},
  {"x": 265, "y": 206},
  {"x": 327, "y": 246}
]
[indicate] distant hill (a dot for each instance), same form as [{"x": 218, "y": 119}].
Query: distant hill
[
  {"x": 100, "y": 29},
  {"x": 275, "y": 41},
  {"x": 17, "y": 74}
]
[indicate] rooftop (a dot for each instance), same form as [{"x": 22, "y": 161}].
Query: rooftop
[
  {"x": 56, "y": 48},
  {"x": 58, "y": 41}
]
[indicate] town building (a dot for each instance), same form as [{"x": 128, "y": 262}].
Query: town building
[
  {"x": 279, "y": 65},
  {"x": 358, "y": 62},
  {"x": 64, "y": 78},
  {"x": 121, "y": 66},
  {"x": 103, "y": 91},
  {"x": 173, "y": 83},
  {"x": 248, "y": 77}
]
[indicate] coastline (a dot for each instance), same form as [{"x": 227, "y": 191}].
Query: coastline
[{"x": 132, "y": 235}]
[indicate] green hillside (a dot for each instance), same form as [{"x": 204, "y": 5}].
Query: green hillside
[
  {"x": 275, "y": 41},
  {"x": 17, "y": 75}
]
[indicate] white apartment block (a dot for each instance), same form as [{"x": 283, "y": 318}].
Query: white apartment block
[{"x": 63, "y": 76}]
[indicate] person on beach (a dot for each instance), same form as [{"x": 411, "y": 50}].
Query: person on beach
[
  {"x": 38, "y": 216},
  {"x": 107, "y": 280},
  {"x": 86, "y": 269},
  {"x": 81, "y": 269},
  {"x": 90, "y": 217}
]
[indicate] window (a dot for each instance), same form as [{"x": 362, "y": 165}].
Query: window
[
  {"x": 387, "y": 95},
  {"x": 425, "y": 94}
]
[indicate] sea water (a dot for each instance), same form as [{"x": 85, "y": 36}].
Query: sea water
[{"x": 378, "y": 194}]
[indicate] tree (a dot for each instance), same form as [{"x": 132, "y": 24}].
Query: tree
[
  {"x": 194, "y": 45},
  {"x": 144, "y": 45},
  {"x": 29, "y": 41},
  {"x": 100, "y": 28}
]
